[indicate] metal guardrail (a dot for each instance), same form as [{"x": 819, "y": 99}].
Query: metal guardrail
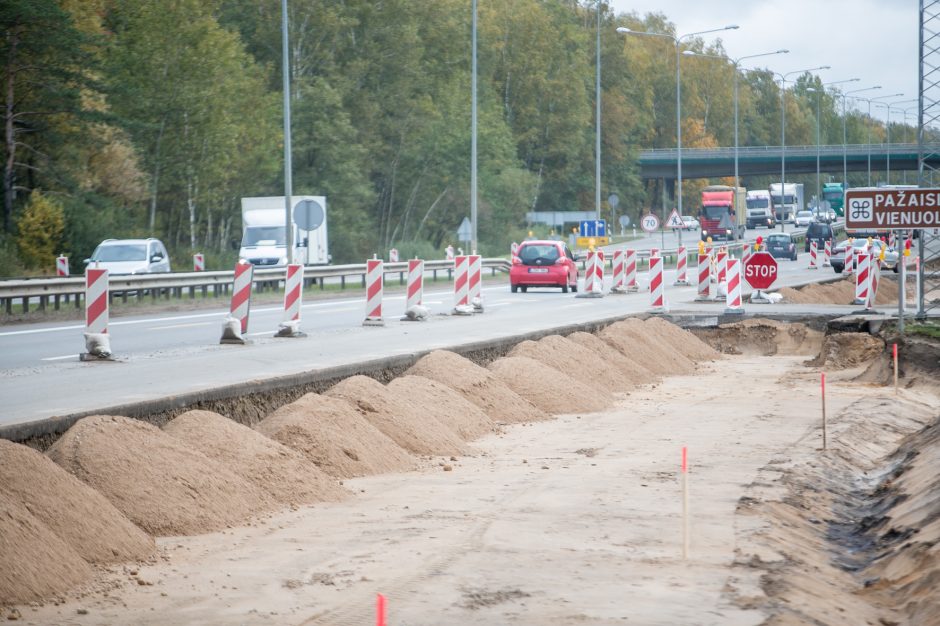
[{"x": 43, "y": 291}]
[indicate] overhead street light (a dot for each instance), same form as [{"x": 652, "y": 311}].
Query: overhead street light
[
  {"x": 819, "y": 93},
  {"x": 887, "y": 106},
  {"x": 869, "y": 101},
  {"x": 845, "y": 168},
  {"x": 677, "y": 41}
]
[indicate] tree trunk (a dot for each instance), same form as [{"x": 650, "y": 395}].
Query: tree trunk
[
  {"x": 9, "y": 137},
  {"x": 156, "y": 176}
]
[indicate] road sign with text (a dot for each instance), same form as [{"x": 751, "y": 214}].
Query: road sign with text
[
  {"x": 891, "y": 209},
  {"x": 649, "y": 222},
  {"x": 760, "y": 270}
]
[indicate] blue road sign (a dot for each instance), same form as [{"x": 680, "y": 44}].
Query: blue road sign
[{"x": 593, "y": 228}]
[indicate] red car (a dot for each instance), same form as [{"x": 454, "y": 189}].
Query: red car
[{"x": 543, "y": 264}]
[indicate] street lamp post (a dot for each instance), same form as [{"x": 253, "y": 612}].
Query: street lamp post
[
  {"x": 845, "y": 168},
  {"x": 869, "y": 101},
  {"x": 597, "y": 119},
  {"x": 677, "y": 41},
  {"x": 888, "y": 106},
  {"x": 737, "y": 64},
  {"x": 473, "y": 135},
  {"x": 819, "y": 93}
]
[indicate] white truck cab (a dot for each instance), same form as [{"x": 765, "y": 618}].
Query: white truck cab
[{"x": 264, "y": 238}]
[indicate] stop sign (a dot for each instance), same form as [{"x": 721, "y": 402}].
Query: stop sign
[{"x": 760, "y": 270}]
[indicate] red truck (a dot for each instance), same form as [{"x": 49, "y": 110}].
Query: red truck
[{"x": 723, "y": 214}]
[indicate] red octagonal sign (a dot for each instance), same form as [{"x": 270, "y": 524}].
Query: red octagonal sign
[{"x": 760, "y": 270}]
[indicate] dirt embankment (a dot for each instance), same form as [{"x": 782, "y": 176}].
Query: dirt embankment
[{"x": 843, "y": 292}]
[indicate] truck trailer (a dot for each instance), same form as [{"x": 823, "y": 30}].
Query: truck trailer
[
  {"x": 791, "y": 203},
  {"x": 723, "y": 214},
  {"x": 264, "y": 238}
]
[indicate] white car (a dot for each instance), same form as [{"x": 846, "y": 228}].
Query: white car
[
  {"x": 689, "y": 223},
  {"x": 130, "y": 256},
  {"x": 804, "y": 219}
]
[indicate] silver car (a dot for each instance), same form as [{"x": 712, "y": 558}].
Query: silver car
[
  {"x": 130, "y": 256},
  {"x": 838, "y": 254}
]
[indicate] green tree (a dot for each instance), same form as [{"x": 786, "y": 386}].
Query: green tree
[{"x": 40, "y": 230}]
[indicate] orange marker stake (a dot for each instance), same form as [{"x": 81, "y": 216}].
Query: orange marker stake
[
  {"x": 894, "y": 350},
  {"x": 379, "y": 610},
  {"x": 823, "y": 386},
  {"x": 685, "y": 503}
]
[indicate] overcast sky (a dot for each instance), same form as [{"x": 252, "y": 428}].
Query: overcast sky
[{"x": 874, "y": 40}]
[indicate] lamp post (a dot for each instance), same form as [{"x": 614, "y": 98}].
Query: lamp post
[
  {"x": 288, "y": 185},
  {"x": 888, "y": 106},
  {"x": 677, "y": 41},
  {"x": 819, "y": 93},
  {"x": 845, "y": 168},
  {"x": 473, "y": 136},
  {"x": 597, "y": 119},
  {"x": 783, "y": 133},
  {"x": 869, "y": 101}
]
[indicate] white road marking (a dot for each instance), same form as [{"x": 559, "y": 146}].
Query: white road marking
[
  {"x": 180, "y": 326},
  {"x": 59, "y": 358}
]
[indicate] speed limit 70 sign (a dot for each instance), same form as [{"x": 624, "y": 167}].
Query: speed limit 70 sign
[{"x": 649, "y": 222}]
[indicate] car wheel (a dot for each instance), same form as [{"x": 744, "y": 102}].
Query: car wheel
[
  {"x": 514, "y": 288},
  {"x": 524, "y": 289},
  {"x": 564, "y": 288},
  {"x": 896, "y": 268},
  {"x": 574, "y": 288},
  {"x": 837, "y": 270}
]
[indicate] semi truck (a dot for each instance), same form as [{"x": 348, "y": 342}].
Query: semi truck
[
  {"x": 264, "y": 237},
  {"x": 723, "y": 214},
  {"x": 834, "y": 194},
  {"x": 759, "y": 212},
  {"x": 791, "y": 202}
]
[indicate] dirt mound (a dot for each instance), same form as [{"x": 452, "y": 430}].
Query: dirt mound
[
  {"x": 574, "y": 360},
  {"x": 443, "y": 403},
  {"x": 680, "y": 340},
  {"x": 549, "y": 389},
  {"x": 76, "y": 513},
  {"x": 411, "y": 426},
  {"x": 36, "y": 562},
  {"x": 332, "y": 435},
  {"x": 478, "y": 385},
  {"x": 763, "y": 337},
  {"x": 637, "y": 342},
  {"x": 163, "y": 486},
  {"x": 844, "y": 350},
  {"x": 284, "y": 474},
  {"x": 632, "y": 372},
  {"x": 840, "y": 292}
]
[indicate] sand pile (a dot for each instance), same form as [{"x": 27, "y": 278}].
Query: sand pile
[
  {"x": 680, "y": 340},
  {"x": 282, "y": 473},
  {"x": 76, "y": 513},
  {"x": 36, "y": 563},
  {"x": 163, "y": 486},
  {"x": 409, "y": 425},
  {"x": 444, "y": 404},
  {"x": 548, "y": 388},
  {"x": 845, "y": 350},
  {"x": 331, "y": 434},
  {"x": 631, "y": 371},
  {"x": 840, "y": 292},
  {"x": 646, "y": 346},
  {"x": 574, "y": 360},
  {"x": 478, "y": 385},
  {"x": 763, "y": 337}
]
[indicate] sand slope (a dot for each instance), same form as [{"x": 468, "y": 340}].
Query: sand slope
[{"x": 444, "y": 404}]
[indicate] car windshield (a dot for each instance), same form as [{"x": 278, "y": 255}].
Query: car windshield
[
  {"x": 758, "y": 203},
  {"x": 805, "y": 214},
  {"x": 264, "y": 236},
  {"x": 121, "y": 252},
  {"x": 778, "y": 239},
  {"x": 715, "y": 212},
  {"x": 816, "y": 230},
  {"x": 539, "y": 252}
]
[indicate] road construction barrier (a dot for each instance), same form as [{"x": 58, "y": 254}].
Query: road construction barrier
[
  {"x": 682, "y": 259},
  {"x": 863, "y": 258},
  {"x": 704, "y": 276},
  {"x": 393, "y": 255},
  {"x": 654, "y": 252},
  {"x": 629, "y": 270},
  {"x": 594, "y": 279},
  {"x": 827, "y": 254},
  {"x": 874, "y": 277},
  {"x": 513, "y": 248},
  {"x": 721, "y": 273},
  {"x": 374, "y": 288},
  {"x": 449, "y": 253},
  {"x": 617, "y": 274},
  {"x": 97, "y": 342},
  {"x": 475, "y": 282},
  {"x": 812, "y": 255},
  {"x": 461, "y": 278},
  {"x": 657, "y": 296},
  {"x": 415, "y": 288},
  {"x": 62, "y": 266},
  {"x": 293, "y": 295},
  {"x": 236, "y": 324},
  {"x": 199, "y": 262},
  {"x": 848, "y": 263},
  {"x": 733, "y": 296}
]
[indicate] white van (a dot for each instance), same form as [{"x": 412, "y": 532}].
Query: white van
[{"x": 130, "y": 256}]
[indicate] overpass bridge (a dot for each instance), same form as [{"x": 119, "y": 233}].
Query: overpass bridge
[{"x": 762, "y": 160}]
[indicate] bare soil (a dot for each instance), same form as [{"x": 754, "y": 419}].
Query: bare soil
[{"x": 444, "y": 404}]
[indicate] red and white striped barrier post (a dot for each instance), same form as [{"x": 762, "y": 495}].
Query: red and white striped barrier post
[
  {"x": 293, "y": 295},
  {"x": 393, "y": 255},
  {"x": 617, "y": 285},
  {"x": 97, "y": 342},
  {"x": 848, "y": 265},
  {"x": 199, "y": 262},
  {"x": 475, "y": 282},
  {"x": 449, "y": 253},
  {"x": 415, "y": 289},
  {"x": 236, "y": 324},
  {"x": 629, "y": 270},
  {"x": 62, "y": 266},
  {"x": 721, "y": 273},
  {"x": 461, "y": 281},
  {"x": 704, "y": 277},
  {"x": 657, "y": 297},
  {"x": 733, "y": 297},
  {"x": 594, "y": 277},
  {"x": 375, "y": 283},
  {"x": 862, "y": 276},
  {"x": 513, "y": 248},
  {"x": 653, "y": 252},
  {"x": 682, "y": 259},
  {"x": 827, "y": 254},
  {"x": 812, "y": 255},
  {"x": 874, "y": 279}
]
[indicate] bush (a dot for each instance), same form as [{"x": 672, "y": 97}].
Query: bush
[{"x": 40, "y": 229}]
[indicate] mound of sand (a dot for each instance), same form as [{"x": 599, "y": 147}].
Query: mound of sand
[
  {"x": 332, "y": 435},
  {"x": 76, "y": 513},
  {"x": 573, "y": 359},
  {"x": 844, "y": 350},
  {"x": 284, "y": 474},
  {"x": 443, "y": 403},
  {"x": 763, "y": 337},
  {"x": 36, "y": 562},
  {"x": 840, "y": 292},
  {"x": 478, "y": 385},
  {"x": 631, "y": 371},
  {"x": 646, "y": 346},
  {"x": 163, "y": 486},
  {"x": 680, "y": 340},
  {"x": 411, "y": 426},
  {"x": 549, "y": 389}
]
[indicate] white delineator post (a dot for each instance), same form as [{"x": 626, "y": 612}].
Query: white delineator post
[
  {"x": 475, "y": 282},
  {"x": 449, "y": 253},
  {"x": 62, "y": 266},
  {"x": 682, "y": 259},
  {"x": 827, "y": 253},
  {"x": 199, "y": 262},
  {"x": 617, "y": 284},
  {"x": 461, "y": 278},
  {"x": 657, "y": 297},
  {"x": 812, "y": 255},
  {"x": 862, "y": 277},
  {"x": 733, "y": 298},
  {"x": 375, "y": 274},
  {"x": 629, "y": 270},
  {"x": 293, "y": 295},
  {"x": 236, "y": 324},
  {"x": 393, "y": 255},
  {"x": 704, "y": 277},
  {"x": 96, "y": 315}
]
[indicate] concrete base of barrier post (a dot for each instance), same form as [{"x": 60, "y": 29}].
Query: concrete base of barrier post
[
  {"x": 290, "y": 329},
  {"x": 98, "y": 346},
  {"x": 232, "y": 332},
  {"x": 759, "y": 297}
]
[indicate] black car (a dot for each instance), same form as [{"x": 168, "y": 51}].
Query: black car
[
  {"x": 781, "y": 246},
  {"x": 820, "y": 233}
]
